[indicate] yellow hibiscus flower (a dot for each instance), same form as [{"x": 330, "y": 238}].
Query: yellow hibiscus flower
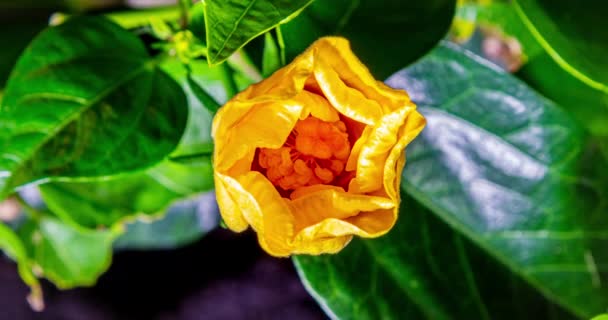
[{"x": 313, "y": 155}]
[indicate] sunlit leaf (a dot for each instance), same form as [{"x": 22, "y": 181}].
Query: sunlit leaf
[{"x": 86, "y": 100}]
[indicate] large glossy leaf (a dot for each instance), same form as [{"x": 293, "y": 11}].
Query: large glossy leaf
[
  {"x": 386, "y": 34},
  {"x": 230, "y": 24},
  {"x": 67, "y": 256},
  {"x": 502, "y": 167},
  {"x": 86, "y": 100}
]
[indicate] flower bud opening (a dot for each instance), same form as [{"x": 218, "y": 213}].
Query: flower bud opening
[{"x": 315, "y": 153}]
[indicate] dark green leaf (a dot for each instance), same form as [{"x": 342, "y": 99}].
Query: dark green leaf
[
  {"x": 85, "y": 100},
  {"x": 67, "y": 256},
  {"x": 501, "y": 166},
  {"x": 197, "y": 21},
  {"x": 588, "y": 105},
  {"x": 573, "y": 33},
  {"x": 231, "y": 24},
  {"x": 15, "y": 37},
  {"x": 386, "y": 34},
  {"x": 105, "y": 203}
]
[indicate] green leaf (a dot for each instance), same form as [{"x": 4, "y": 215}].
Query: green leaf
[
  {"x": 105, "y": 203},
  {"x": 508, "y": 178},
  {"x": 86, "y": 100},
  {"x": 232, "y": 24},
  {"x": 421, "y": 270},
  {"x": 68, "y": 257},
  {"x": 13, "y": 247},
  {"x": 503, "y": 168},
  {"x": 387, "y": 35},
  {"x": 138, "y": 196}
]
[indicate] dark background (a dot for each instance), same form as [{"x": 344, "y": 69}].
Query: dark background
[{"x": 223, "y": 276}]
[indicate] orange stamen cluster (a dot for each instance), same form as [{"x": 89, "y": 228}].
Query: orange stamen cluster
[{"x": 315, "y": 153}]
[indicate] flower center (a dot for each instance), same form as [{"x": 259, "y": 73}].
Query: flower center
[{"x": 315, "y": 152}]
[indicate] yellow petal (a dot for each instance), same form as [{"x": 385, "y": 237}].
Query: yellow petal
[
  {"x": 374, "y": 224},
  {"x": 337, "y": 52},
  {"x": 376, "y": 149},
  {"x": 346, "y": 100},
  {"x": 320, "y": 245},
  {"x": 327, "y": 218},
  {"x": 353, "y": 158},
  {"x": 396, "y": 159},
  {"x": 263, "y": 126},
  {"x": 230, "y": 207},
  {"x": 332, "y": 202},
  {"x": 267, "y": 213},
  {"x": 317, "y": 106},
  {"x": 288, "y": 81},
  {"x": 284, "y": 84}
]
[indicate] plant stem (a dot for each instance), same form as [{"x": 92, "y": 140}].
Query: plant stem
[
  {"x": 184, "y": 6},
  {"x": 281, "y": 43}
]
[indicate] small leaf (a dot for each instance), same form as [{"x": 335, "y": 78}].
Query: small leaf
[
  {"x": 232, "y": 24},
  {"x": 13, "y": 247},
  {"x": 105, "y": 203},
  {"x": 86, "y": 100},
  {"x": 68, "y": 257}
]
